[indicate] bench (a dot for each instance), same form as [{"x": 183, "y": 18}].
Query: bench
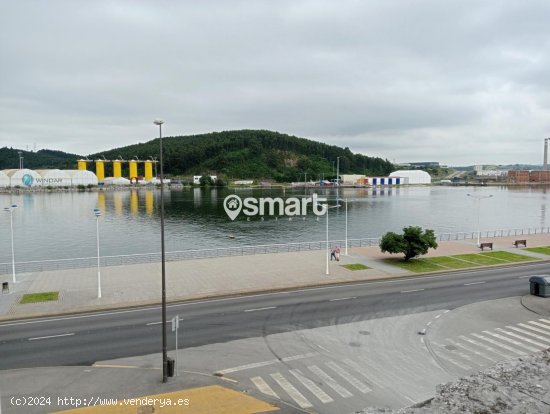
[
  {"x": 517, "y": 243},
  {"x": 486, "y": 245}
]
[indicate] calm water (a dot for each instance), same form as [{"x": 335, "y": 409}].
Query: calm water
[{"x": 61, "y": 225}]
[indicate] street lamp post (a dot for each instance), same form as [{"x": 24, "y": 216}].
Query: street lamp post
[
  {"x": 478, "y": 199},
  {"x": 159, "y": 122},
  {"x": 327, "y": 207},
  {"x": 346, "y": 200},
  {"x": 97, "y": 213},
  {"x": 10, "y": 210}
]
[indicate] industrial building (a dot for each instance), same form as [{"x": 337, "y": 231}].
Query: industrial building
[
  {"x": 413, "y": 176},
  {"x": 395, "y": 178},
  {"x": 526, "y": 176},
  {"x": 46, "y": 178}
]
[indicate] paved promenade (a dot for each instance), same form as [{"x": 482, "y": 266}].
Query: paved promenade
[{"x": 134, "y": 285}]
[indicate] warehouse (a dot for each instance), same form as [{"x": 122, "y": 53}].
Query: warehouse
[
  {"x": 413, "y": 176},
  {"x": 46, "y": 178}
]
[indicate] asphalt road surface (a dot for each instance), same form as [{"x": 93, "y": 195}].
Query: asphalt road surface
[{"x": 84, "y": 339}]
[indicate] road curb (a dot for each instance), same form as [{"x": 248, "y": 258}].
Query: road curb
[{"x": 176, "y": 301}]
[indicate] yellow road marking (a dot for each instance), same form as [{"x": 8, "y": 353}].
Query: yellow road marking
[{"x": 202, "y": 400}]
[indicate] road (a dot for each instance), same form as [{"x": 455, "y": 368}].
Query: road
[{"x": 84, "y": 339}]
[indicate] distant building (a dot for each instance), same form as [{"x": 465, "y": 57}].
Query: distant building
[
  {"x": 527, "y": 176},
  {"x": 492, "y": 171},
  {"x": 46, "y": 178},
  {"x": 413, "y": 176},
  {"x": 425, "y": 164}
]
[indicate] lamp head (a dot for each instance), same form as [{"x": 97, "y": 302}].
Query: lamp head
[{"x": 158, "y": 122}]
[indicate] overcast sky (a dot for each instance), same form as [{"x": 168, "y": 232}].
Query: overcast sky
[{"x": 459, "y": 82}]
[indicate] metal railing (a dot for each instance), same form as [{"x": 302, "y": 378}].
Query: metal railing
[{"x": 141, "y": 258}]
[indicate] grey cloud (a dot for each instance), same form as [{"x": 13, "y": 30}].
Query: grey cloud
[{"x": 459, "y": 81}]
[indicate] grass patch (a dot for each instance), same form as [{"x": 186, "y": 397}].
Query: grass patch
[
  {"x": 543, "y": 249},
  {"x": 415, "y": 265},
  {"x": 450, "y": 262},
  {"x": 478, "y": 259},
  {"x": 39, "y": 297},
  {"x": 509, "y": 257},
  {"x": 355, "y": 266}
]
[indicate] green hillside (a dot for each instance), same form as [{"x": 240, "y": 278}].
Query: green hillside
[
  {"x": 251, "y": 154},
  {"x": 9, "y": 158}
]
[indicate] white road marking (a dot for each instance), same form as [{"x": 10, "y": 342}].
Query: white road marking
[
  {"x": 523, "y": 338},
  {"x": 260, "y": 309},
  {"x": 437, "y": 316},
  {"x": 330, "y": 381},
  {"x": 457, "y": 352},
  {"x": 385, "y": 379},
  {"x": 337, "y": 299},
  {"x": 50, "y": 336},
  {"x": 523, "y": 331},
  {"x": 311, "y": 386},
  {"x": 492, "y": 341},
  {"x": 199, "y": 302},
  {"x": 265, "y": 363},
  {"x": 413, "y": 290},
  {"x": 323, "y": 348},
  {"x": 532, "y": 328},
  {"x": 541, "y": 325},
  {"x": 348, "y": 377},
  {"x": 264, "y": 387},
  {"x": 472, "y": 350},
  {"x": 474, "y": 283},
  {"x": 291, "y": 390},
  {"x": 511, "y": 341},
  {"x": 523, "y": 277},
  {"x": 544, "y": 320},
  {"x": 486, "y": 347},
  {"x": 447, "y": 358}
]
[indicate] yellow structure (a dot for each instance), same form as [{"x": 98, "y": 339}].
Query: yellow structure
[
  {"x": 134, "y": 203},
  {"x": 82, "y": 164},
  {"x": 100, "y": 169},
  {"x": 133, "y": 169},
  {"x": 148, "y": 170},
  {"x": 117, "y": 169},
  {"x": 149, "y": 202}
]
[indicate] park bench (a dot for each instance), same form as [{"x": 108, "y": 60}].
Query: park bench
[
  {"x": 517, "y": 243},
  {"x": 486, "y": 245}
]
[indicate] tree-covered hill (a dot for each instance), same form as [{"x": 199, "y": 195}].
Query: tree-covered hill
[
  {"x": 9, "y": 158},
  {"x": 251, "y": 154}
]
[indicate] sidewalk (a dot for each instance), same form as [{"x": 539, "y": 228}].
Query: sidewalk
[{"x": 134, "y": 285}]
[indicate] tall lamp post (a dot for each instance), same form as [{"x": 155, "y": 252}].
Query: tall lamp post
[
  {"x": 346, "y": 200},
  {"x": 159, "y": 122},
  {"x": 97, "y": 213},
  {"x": 327, "y": 207},
  {"x": 10, "y": 210},
  {"x": 478, "y": 199}
]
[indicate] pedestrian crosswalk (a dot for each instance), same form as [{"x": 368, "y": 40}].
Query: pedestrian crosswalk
[{"x": 319, "y": 383}]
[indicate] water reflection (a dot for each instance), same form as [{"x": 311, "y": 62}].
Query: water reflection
[{"x": 55, "y": 225}]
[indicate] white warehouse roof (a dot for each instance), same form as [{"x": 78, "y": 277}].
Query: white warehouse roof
[
  {"x": 46, "y": 178},
  {"x": 413, "y": 176}
]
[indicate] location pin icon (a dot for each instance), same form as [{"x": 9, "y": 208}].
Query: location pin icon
[{"x": 233, "y": 206}]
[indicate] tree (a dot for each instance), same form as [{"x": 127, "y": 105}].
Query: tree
[{"x": 413, "y": 242}]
